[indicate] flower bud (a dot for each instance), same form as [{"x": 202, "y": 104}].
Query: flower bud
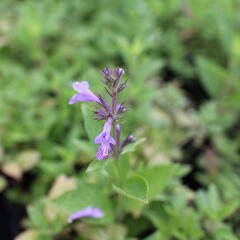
[
  {"x": 119, "y": 72},
  {"x": 129, "y": 139},
  {"x": 118, "y": 133},
  {"x": 121, "y": 86}
]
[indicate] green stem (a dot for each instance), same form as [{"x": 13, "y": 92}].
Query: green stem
[{"x": 116, "y": 155}]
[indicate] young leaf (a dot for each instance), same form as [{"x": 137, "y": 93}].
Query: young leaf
[
  {"x": 212, "y": 76},
  {"x": 98, "y": 165},
  {"x": 136, "y": 187},
  {"x": 157, "y": 178}
]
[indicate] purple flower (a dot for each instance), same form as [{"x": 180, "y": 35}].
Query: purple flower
[
  {"x": 112, "y": 77},
  {"x": 105, "y": 139},
  {"x": 86, "y": 212},
  {"x": 119, "y": 72},
  {"x": 84, "y": 94}
]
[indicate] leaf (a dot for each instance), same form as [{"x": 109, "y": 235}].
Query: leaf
[
  {"x": 213, "y": 197},
  {"x": 31, "y": 235},
  {"x": 37, "y": 216},
  {"x": 228, "y": 209},
  {"x": 98, "y": 164},
  {"x": 28, "y": 159},
  {"x": 211, "y": 75},
  {"x": 61, "y": 185},
  {"x": 136, "y": 187},
  {"x": 211, "y": 205},
  {"x": 158, "y": 177},
  {"x": 85, "y": 195},
  {"x": 12, "y": 169},
  {"x": 131, "y": 147},
  {"x": 154, "y": 236},
  {"x": 108, "y": 232}
]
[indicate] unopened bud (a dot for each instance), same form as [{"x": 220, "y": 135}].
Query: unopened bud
[
  {"x": 118, "y": 133},
  {"x": 121, "y": 86},
  {"x": 119, "y": 72},
  {"x": 129, "y": 139}
]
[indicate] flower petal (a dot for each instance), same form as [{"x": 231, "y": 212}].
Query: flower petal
[
  {"x": 88, "y": 96},
  {"x": 75, "y": 98},
  {"x": 80, "y": 86},
  {"x": 111, "y": 140},
  {"x": 99, "y": 138},
  {"x": 86, "y": 212}
]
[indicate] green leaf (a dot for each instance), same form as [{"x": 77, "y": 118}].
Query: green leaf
[
  {"x": 214, "y": 202},
  {"x": 98, "y": 165},
  {"x": 85, "y": 195},
  {"x": 228, "y": 209},
  {"x": 108, "y": 232},
  {"x": 131, "y": 147},
  {"x": 158, "y": 177},
  {"x": 212, "y": 76},
  {"x": 136, "y": 187},
  {"x": 36, "y": 215},
  {"x": 154, "y": 236}
]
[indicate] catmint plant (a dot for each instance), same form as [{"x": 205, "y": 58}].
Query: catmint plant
[{"x": 108, "y": 111}]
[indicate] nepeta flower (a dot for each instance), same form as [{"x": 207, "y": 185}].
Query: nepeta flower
[
  {"x": 105, "y": 140},
  {"x": 109, "y": 111},
  {"x": 84, "y": 94},
  {"x": 86, "y": 212}
]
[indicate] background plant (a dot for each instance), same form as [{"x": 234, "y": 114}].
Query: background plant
[{"x": 182, "y": 62}]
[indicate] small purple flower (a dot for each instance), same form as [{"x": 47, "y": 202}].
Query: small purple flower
[
  {"x": 105, "y": 139},
  {"x": 84, "y": 94},
  {"x": 108, "y": 111},
  {"x": 86, "y": 212},
  {"x": 119, "y": 72}
]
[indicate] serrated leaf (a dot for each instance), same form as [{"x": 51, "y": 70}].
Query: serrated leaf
[
  {"x": 136, "y": 187},
  {"x": 131, "y": 147}
]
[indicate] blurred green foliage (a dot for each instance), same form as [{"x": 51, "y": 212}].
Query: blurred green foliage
[{"x": 182, "y": 62}]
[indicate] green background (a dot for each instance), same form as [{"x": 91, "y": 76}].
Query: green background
[{"x": 182, "y": 62}]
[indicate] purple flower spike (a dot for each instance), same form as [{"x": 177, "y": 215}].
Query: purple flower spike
[
  {"x": 84, "y": 94},
  {"x": 86, "y": 212},
  {"x": 105, "y": 139}
]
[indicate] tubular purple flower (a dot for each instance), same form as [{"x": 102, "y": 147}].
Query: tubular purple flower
[
  {"x": 105, "y": 139},
  {"x": 86, "y": 212},
  {"x": 119, "y": 72},
  {"x": 84, "y": 94}
]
